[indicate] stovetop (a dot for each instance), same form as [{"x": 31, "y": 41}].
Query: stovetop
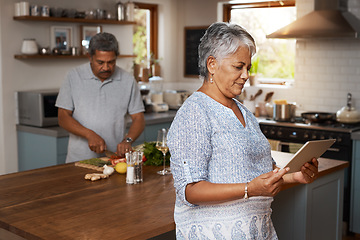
[{"x": 326, "y": 126}]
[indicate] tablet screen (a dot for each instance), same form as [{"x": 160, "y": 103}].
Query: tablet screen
[{"x": 311, "y": 149}]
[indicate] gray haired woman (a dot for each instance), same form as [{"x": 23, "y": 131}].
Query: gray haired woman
[{"x": 224, "y": 175}]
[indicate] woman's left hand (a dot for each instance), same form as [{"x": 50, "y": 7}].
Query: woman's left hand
[{"x": 309, "y": 172}]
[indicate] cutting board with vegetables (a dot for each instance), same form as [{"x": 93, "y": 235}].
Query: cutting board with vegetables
[{"x": 98, "y": 163}]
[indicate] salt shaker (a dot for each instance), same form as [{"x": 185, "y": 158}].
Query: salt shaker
[
  {"x": 130, "y": 168},
  {"x": 138, "y": 167}
]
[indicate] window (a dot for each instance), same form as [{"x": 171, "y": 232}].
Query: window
[
  {"x": 145, "y": 39},
  {"x": 274, "y": 62}
]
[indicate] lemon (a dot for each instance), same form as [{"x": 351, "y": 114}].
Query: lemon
[{"x": 121, "y": 167}]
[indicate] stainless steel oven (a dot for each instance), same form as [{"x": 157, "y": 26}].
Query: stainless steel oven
[{"x": 287, "y": 134}]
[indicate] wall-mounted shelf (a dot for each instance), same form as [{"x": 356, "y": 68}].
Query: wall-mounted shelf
[
  {"x": 73, "y": 20},
  {"x": 37, "y": 56}
]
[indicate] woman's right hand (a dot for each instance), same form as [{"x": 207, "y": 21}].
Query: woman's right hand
[
  {"x": 268, "y": 184},
  {"x": 95, "y": 142}
]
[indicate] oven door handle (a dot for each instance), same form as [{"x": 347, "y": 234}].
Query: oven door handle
[
  {"x": 288, "y": 144},
  {"x": 333, "y": 150},
  {"x": 284, "y": 144}
]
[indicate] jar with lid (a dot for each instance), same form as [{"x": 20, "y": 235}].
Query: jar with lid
[
  {"x": 29, "y": 46},
  {"x": 120, "y": 11},
  {"x": 130, "y": 6}
]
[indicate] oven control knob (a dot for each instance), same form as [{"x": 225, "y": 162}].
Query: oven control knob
[
  {"x": 322, "y": 137},
  {"x": 313, "y": 136},
  {"x": 306, "y": 135},
  {"x": 272, "y": 132},
  {"x": 279, "y": 133},
  {"x": 339, "y": 139}
]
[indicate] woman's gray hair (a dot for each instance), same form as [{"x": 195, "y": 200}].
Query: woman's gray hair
[
  {"x": 103, "y": 42},
  {"x": 221, "y": 40}
]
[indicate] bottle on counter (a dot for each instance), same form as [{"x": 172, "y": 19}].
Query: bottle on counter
[
  {"x": 138, "y": 167},
  {"x": 130, "y": 168}
]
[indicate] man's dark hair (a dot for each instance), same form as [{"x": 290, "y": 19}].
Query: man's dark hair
[{"x": 103, "y": 42}]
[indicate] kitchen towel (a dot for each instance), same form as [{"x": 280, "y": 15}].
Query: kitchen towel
[
  {"x": 294, "y": 147},
  {"x": 275, "y": 145}
]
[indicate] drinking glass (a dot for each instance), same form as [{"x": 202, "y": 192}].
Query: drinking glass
[{"x": 161, "y": 144}]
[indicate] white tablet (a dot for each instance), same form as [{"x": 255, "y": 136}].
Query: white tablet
[{"x": 311, "y": 149}]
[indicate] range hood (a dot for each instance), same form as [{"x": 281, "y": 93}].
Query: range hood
[{"x": 330, "y": 19}]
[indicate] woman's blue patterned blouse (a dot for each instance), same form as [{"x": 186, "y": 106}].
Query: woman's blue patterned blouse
[{"x": 207, "y": 142}]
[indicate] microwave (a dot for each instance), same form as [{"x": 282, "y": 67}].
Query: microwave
[{"x": 37, "y": 107}]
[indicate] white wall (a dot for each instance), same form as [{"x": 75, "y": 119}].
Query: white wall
[
  {"x": 2, "y": 159},
  {"x": 17, "y": 75},
  {"x": 190, "y": 13}
]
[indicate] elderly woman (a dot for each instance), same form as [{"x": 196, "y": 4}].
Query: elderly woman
[{"x": 224, "y": 175}]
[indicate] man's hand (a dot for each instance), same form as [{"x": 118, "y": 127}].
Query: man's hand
[
  {"x": 95, "y": 142},
  {"x": 123, "y": 148},
  {"x": 66, "y": 120}
]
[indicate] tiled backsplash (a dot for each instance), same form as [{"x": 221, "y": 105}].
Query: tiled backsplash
[{"x": 326, "y": 70}]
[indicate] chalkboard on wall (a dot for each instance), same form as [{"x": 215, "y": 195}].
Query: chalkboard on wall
[{"x": 192, "y": 40}]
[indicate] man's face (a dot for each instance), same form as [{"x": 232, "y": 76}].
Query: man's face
[{"x": 103, "y": 64}]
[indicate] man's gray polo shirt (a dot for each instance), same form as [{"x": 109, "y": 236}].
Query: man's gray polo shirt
[{"x": 99, "y": 106}]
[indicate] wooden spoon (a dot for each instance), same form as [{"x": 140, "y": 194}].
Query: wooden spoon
[
  {"x": 268, "y": 96},
  {"x": 259, "y": 92}
]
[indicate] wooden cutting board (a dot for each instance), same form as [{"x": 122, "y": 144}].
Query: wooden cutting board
[{"x": 93, "y": 167}]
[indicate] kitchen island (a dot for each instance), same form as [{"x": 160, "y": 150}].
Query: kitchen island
[{"x": 58, "y": 203}]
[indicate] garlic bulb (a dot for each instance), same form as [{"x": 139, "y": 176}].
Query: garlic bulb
[{"x": 108, "y": 170}]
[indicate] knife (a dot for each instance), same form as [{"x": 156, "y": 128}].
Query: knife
[{"x": 110, "y": 154}]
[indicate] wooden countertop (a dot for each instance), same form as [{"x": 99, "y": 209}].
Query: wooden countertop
[{"x": 58, "y": 203}]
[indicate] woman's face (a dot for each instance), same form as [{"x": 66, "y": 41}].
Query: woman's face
[{"x": 232, "y": 72}]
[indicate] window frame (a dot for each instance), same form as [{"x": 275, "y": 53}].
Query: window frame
[
  {"x": 229, "y": 6},
  {"x": 154, "y": 26},
  {"x": 263, "y": 4}
]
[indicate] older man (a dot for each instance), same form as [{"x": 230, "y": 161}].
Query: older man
[{"x": 94, "y": 101}]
